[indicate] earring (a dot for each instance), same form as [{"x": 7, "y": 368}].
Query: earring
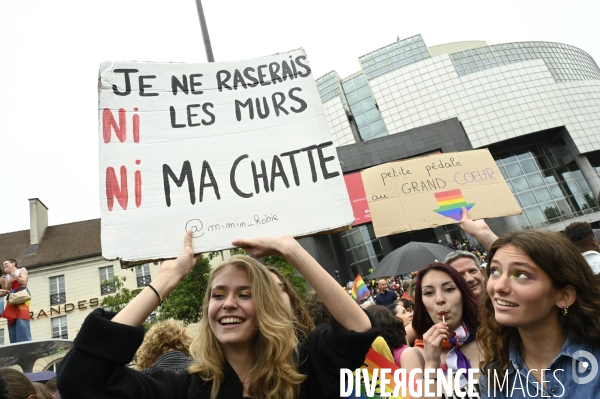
[{"x": 565, "y": 309}]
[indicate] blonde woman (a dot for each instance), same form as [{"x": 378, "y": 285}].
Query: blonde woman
[{"x": 247, "y": 346}]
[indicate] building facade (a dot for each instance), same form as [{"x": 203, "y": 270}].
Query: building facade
[
  {"x": 534, "y": 105},
  {"x": 68, "y": 277}
]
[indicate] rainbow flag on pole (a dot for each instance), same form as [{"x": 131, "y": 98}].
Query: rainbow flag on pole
[
  {"x": 376, "y": 361},
  {"x": 359, "y": 290},
  {"x": 450, "y": 204}
]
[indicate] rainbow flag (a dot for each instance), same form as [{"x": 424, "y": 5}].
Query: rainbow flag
[
  {"x": 376, "y": 361},
  {"x": 359, "y": 290},
  {"x": 450, "y": 204}
]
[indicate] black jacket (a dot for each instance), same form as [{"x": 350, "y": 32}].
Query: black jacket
[
  {"x": 174, "y": 360},
  {"x": 96, "y": 366}
]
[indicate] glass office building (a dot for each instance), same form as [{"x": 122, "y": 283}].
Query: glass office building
[
  {"x": 547, "y": 192},
  {"x": 534, "y": 105}
]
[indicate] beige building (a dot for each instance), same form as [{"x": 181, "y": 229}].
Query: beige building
[{"x": 66, "y": 270}]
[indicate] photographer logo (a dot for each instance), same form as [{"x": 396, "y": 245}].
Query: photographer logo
[{"x": 582, "y": 367}]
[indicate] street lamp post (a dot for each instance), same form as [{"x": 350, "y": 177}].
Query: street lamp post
[{"x": 207, "y": 47}]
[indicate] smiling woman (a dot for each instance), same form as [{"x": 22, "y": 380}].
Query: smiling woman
[
  {"x": 247, "y": 346},
  {"x": 539, "y": 319},
  {"x": 17, "y": 315}
]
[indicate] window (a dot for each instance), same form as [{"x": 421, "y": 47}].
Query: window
[
  {"x": 152, "y": 317},
  {"x": 143, "y": 275},
  {"x": 547, "y": 193},
  {"x": 106, "y": 280},
  {"x": 57, "y": 290},
  {"x": 565, "y": 63},
  {"x": 59, "y": 327}
]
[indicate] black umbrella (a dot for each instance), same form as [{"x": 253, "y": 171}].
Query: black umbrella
[{"x": 410, "y": 257}]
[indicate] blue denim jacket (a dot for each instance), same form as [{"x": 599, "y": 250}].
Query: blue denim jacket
[{"x": 570, "y": 382}]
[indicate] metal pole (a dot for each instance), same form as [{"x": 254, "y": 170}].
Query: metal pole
[{"x": 207, "y": 47}]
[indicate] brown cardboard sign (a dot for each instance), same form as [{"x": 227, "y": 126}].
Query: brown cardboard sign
[{"x": 428, "y": 192}]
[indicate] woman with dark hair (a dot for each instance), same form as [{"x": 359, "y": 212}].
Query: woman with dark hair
[
  {"x": 392, "y": 330},
  {"x": 445, "y": 321},
  {"x": 293, "y": 300},
  {"x": 408, "y": 305},
  {"x": 400, "y": 312},
  {"x": 540, "y": 326}
]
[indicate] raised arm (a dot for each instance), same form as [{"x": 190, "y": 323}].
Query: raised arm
[
  {"x": 340, "y": 304},
  {"x": 171, "y": 272},
  {"x": 22, "y": 278},
  {"x": 478, "y": 229}
]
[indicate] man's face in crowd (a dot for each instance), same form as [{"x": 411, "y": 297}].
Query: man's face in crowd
[
  {"x": 383, "y": 287},
  {"x": 470, "y": 272},
  {"x": 9, "y": 267}
]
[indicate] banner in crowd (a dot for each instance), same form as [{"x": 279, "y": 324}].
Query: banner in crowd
[
  {"x": 236, "y": 149},
  {"x": 430, "y": 191},
  {"x": 358, "y": 198}
]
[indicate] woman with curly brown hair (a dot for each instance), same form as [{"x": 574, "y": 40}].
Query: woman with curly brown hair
[
  {"x": 166, "y": 345},
  {"x": 540, "y": 326},
  {"x": 247, "y": 345}
]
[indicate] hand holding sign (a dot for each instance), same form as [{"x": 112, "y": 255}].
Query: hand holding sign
[
  {"x": 429, "y": 191},
  {"x": 224, "y": 149},
  {"x": 478, "y": 229},
  {"x": 175, "y": 270}
]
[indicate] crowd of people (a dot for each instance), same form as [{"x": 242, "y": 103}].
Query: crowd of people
[
  {"x": 473, "y": 247},
  {"x": 527, "y": 322}
]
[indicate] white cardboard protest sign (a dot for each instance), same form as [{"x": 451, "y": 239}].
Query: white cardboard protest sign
[{"x": 236, "y": 149}]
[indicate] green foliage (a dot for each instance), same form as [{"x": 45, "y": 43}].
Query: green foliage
[
  {"x": 295, "y": 279},
  {"x": 122, "y": 296},
  {"x": 591, "y": 201},
  {"x": 185, "y": 302},
  {"x": 552, "y": 212}
]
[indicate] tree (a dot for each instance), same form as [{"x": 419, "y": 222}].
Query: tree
[
  {"x": 185, "y": 302},
  {"x": 122, "y": 296},
  {"x": 552, "y": 212}
]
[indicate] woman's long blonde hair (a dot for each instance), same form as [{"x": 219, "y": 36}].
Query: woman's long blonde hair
[{"x": 274, "y": 372}]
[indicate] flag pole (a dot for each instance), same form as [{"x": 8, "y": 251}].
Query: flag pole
[{"x": 207, "y": 46}]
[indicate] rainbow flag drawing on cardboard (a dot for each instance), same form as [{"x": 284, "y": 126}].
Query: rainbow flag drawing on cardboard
[
  {"x": 450, "y": 203},
  {"x": 359, "y": 290}
]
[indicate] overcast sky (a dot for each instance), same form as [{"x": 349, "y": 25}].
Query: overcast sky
[{"x": 51, "y": 51}]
